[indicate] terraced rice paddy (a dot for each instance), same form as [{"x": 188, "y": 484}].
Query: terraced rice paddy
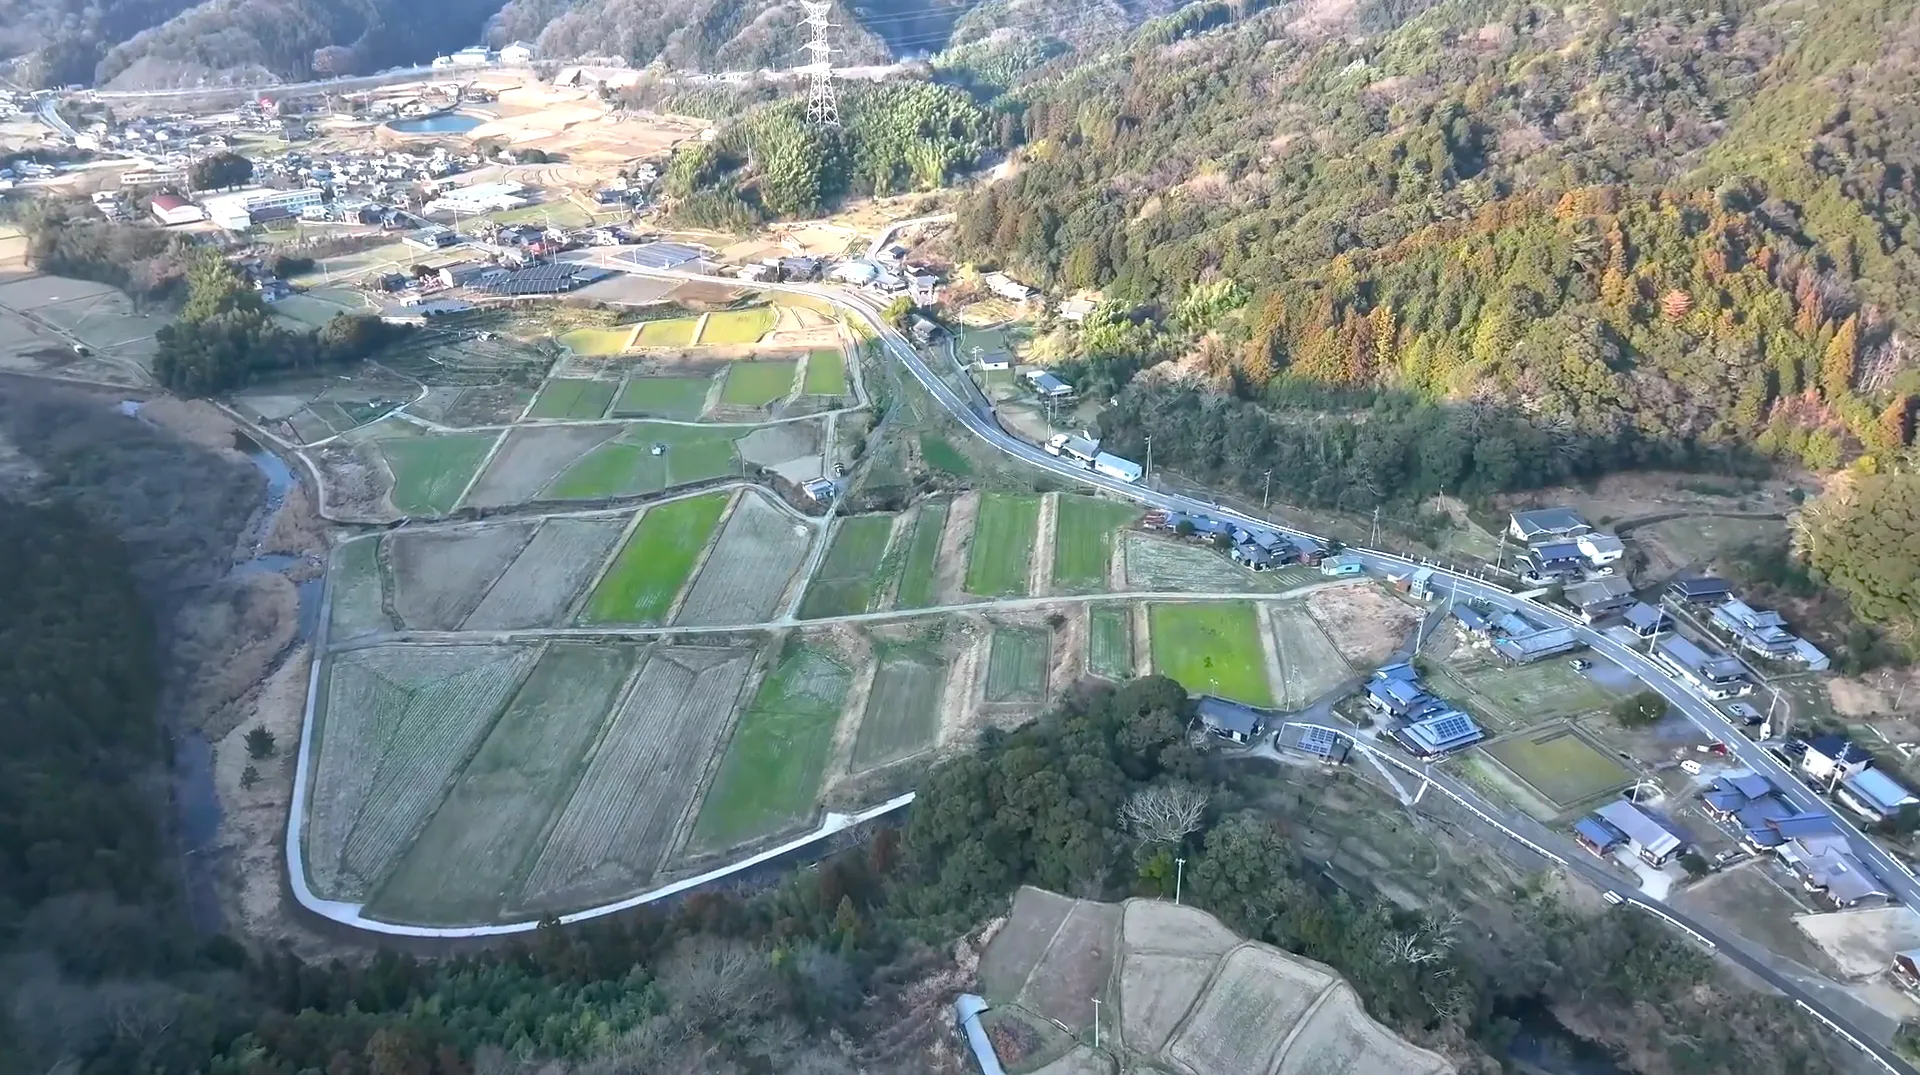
[
  {"x": 1083, "y": 542},
  {"x": 1002, "y": 550},
  {"x": 398, "y": 722},
  {"x": 903, "y": 710},
  {"x": 550, "y": 572},
  {"x": 758, "y": 383},
  {"x": 1310, "y": 666},
  {"x": 770, "y": 777},
  {"x": 358, "y": 598},
  {"x": 430, "y": 471},
  {"x": 682, "y": 399},
  {"x": 1017, "y": 665},
  {"x": 826, "y": 373},
  {"x": 737, "y": 326},
  {"x": 440, "y": 575},
  {"x": 597, "y": 341},
  {"x": 745, "y": 578},
  {"x": 650, "y": 569},
  {"x": 625, "y": 814},
  {"x": 1211, "y": 647},
  {"x": 463, "y": 868},
  {"x": 1110, "y": 641},
  {"x": 855, "y": 571},
  {"x": 528, "y": 460},
  {"x": 672, "y": 332},
  {"x": 629, "y": 466},
  {"x": 918, "y": 577},
  {"x": 572, "y": 397}
]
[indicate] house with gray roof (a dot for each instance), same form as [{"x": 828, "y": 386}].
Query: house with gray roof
[{"x": 1546, "y": 524}]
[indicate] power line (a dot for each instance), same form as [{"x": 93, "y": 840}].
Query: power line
[{"x": 823, "y": 108}]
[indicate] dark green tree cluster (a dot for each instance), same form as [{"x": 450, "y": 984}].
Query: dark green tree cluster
[
  {"x": 225, "y": 336},
  {"x": 772, "y": 163},
  {"x": 67, "y": 238},
  {"x": 218, "y": 171},
  {"x": 1864, "y": 540},
  {"x": 1640, "y": 709}
]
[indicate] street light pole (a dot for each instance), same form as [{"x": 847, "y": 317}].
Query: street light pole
[
  {"x": 1096, "y": 1022},
  {"x": 1179, "y": 874}
]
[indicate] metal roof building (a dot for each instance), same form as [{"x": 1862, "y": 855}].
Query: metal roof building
[
  {"x": 1320, "y": 743},
  {"x": 1441, "y": 733},
  {"x": 1646, "y": 836},
  {"x": 662, "y": 255},
  {"x": 1543, "y": 523},
  {"x": 1228, "y": 719},
  {"x": 1875, "y": 795}
]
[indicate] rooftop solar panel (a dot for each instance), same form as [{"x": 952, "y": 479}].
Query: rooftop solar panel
[{"x": 661, "y": 255}]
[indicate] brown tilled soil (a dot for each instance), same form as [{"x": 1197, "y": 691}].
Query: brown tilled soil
[
  {"x": 1365, "y": 623},
  {"x": 854, "y": 648},
  {"x": 950, "y": 573},
  {"x": 1040, "y": 563},
  {"x": 356, "y": 484}
]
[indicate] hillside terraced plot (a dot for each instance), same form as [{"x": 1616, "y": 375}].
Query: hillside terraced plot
[
  {"x": 647, "y": 458},
  {"x": 770, "y": 778},
  {"x": 629, "y": 807},
  {"x": 747, "y": 574},
  {"x": 1003, "y": 536},
  {"x": 431, "y": 470},
  {"x": 440, "y": 575},
  {"x": 572, "y": 397},
  {"x": 1083, "y": 542},
  {"x": 679, "y": 398},
  {"x": 464, "y": 866},
  {"x": 541, "y": 584},
  {"x": 640, "y": 585},
  {"x": 398, "y": 722},
  {"x": 529, "y": 459},
  {"x": 903, "y": 710},
  {"x": 856, "y": 571}
]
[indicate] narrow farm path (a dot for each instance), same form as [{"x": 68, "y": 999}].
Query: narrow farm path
[{"x": 891, "y": 615}]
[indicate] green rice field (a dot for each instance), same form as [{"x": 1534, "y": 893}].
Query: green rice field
[
  {"x": 1110, "y": 641},
  {"x": 1003, "y": 535},
  {"x": 940, "y": 454},
  {"x": 1518, "y": 696},
  {"x": 854, "y": 571},
  {"x": 1083, "y": 542},
  {"x": 672, "y": 332},
  {"x": 431, "y": 471},
  {"x": 1017, "y": 665},
  {"x": 902, "y": 716},
  {"x": 683, "y": 399},
  {"x": 737, "y": 326},
  {"x": 917, "y": 575},
  {"x": 757, "y": 383},
  {"x": 769, "y": 779},
  {"x": 1211, "y": 647},
  {"x": 826, "y": 373},
  {"x": 596, "y": 341},
  {"x": 1559, "y": 764},
  {"x": 572, "y": 397},
  {"x": 627, "y": 465},
  {"x": 650, "y": 569}
]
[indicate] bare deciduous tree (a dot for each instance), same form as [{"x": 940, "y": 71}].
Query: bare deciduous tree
[{"x": 1164, "y": 813}]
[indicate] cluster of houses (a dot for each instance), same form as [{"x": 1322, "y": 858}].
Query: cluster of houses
[
  {"x": 1562, "y": 546},
  {"x": 1809, "y": 842},
  {"x": 1425, "y": 725},
  {"x": 517, "y": 54},
  {"x": 886, "y": 273},
  {"x": 1622, "y": 824},
  {"x": 1514, "y": 636},
  {"x": 1255, "y": 548}
]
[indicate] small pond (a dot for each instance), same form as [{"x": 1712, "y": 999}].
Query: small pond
[{"x": 438, "y": 123}]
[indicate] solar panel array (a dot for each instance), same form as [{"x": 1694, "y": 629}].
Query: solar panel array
[
  {"x": 661, "y": 255},
  {"x": 1318, "y": 741},
  {"x": 1451, "y": 726},
  {"x": 543, "y": 279}
]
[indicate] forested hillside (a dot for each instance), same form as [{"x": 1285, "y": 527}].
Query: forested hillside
[{"x": 1621, "y": 224}]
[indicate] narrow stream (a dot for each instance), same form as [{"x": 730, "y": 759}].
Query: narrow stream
[
  {"x": 189, "y": 750},
  {"x": 1542, "y": 1046}
]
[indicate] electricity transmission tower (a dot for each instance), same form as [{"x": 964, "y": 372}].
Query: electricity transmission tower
[{"x": 823, "y": 109}]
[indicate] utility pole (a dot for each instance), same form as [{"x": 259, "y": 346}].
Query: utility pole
[
  {"x": 1266, "y": 497},
  {"x": 1179, "y": 873},
  {"x": 1148, "y": 476},
  {"x": 823, "y": 109},
  {"x": 1373, "y": 538},
  {"x": 1096, "y": 1022}
]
